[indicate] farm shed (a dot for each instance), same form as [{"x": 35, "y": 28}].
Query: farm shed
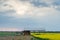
[{"x": 26, "y": 32}]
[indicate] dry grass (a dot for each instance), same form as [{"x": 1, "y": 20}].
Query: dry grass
[{"x": 15, "y": 38}]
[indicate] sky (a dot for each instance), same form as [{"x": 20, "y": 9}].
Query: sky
[{"x": 30, "y": 14}]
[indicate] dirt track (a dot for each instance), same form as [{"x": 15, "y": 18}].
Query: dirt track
[{"x": 15, "y": 38}]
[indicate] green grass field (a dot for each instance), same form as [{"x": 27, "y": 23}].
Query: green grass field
[
  {"x": 13, "y": 36},
  {"x": 8, "y": 33},
  {"x": 35, "y": 36}
]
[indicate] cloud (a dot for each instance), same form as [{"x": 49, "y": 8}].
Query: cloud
[
  {"x": 19, "y": 7},
  {"x": 30, "y": 14},
  {"x": 48, "y": 1},
  {"x": 10, "y": 29},
  {"x": 25, "y": 8}
]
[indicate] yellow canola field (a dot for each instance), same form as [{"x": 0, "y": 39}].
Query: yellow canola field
[{"x": 51, "y": 36}]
